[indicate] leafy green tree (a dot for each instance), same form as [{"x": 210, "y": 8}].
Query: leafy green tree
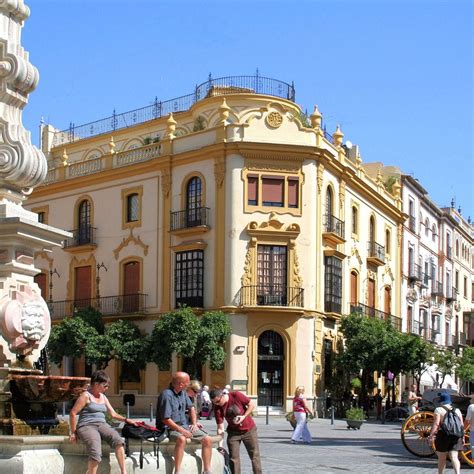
[
  {"x": 85, "y": 335},
  {"x": 465, "y": 368},
  {"x": 183, "y": 333},
  {"x": 446, "y": 362}
]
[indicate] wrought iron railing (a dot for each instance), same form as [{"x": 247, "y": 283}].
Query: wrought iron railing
[
  {"x": 416, "y": 328},
  {"x": 271, "y": 295},
  {"x": 107, "y": 305},
  {"x": 189, "y": 218},
  {"x": 461, "y": 339},
  {"x": 221, "y": 86},
  {"x": 449, "y": 252},
  {"x": 85, "y": 235},
  {"x": 334, "y": 225},
  {"x": 370, "y": 312},
  {"x": 414, "y": 272},
  {"x": 432, "y": 335},
  {"x": 376, "y": 250},
  {"x": 451, "y": 293},
  {"x": 437, "y": 288}
]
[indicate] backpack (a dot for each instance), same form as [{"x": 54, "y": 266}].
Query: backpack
[
  {"x": 144, "y": 432},
  {"x": 224, "y": 453},
  {"x": 452, "y": 425}
]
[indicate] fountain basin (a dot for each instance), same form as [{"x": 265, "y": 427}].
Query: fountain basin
[{"x": 48, "y": 388}]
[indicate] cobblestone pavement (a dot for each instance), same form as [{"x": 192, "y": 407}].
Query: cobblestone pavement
[{"x": 374, "y": 449}]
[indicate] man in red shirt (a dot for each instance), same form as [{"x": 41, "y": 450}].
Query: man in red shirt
[{"x": 236, "y": 408}]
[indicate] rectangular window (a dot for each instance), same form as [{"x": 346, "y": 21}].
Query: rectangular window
[
  {"x": 293, "y": 188},
  {"x": 132, "y": 207},
  {"x": 332, "y": 284},
  {"x": 252, "y": 190},
  {"x": 189, "y": 278},
  {"x": 465, "y": 287},
  {"x": 41, "y": 216},
  {"x": 272, "y": 191}
]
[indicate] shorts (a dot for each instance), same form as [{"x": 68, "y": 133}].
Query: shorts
[
  {"x": 445, "y": 443},
  {"x": 197, "y": 435}
]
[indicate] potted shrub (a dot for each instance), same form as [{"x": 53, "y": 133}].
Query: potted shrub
[{"x": 354, "y": 418}]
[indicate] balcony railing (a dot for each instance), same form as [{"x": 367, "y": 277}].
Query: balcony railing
[
  {"x": 424, "y": 280},
  {"x": 451, "y": 293},
  {"x": 271, "y": 295},
  {"x": 107, "y": 305},
  {"x": 334, "y": 225},
  {"x": 416, "y": 328},
  {"x": 83, "y": 236},
  {"x": 220, "y": 86},
  {"x": 432, "y": 335},
  {"x": 414, "y": 272},
  {"x": 412, "y": 223},
  {"x": 437, "y": 288},
  {"x": 395, "y": 321},
  {"x": 449, "y": 252},
  {"x": 376, "y": 251},
  {"x": 461, "y": 339},
  {"x": 188, "y": 218}
]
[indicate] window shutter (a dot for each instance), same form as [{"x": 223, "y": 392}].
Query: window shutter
[
  {"x": 272, "y": 191},
  {"x": 82, "y": 286},
  {"x": 252, "y": 190},
  {"x": 293, "y": 188}
]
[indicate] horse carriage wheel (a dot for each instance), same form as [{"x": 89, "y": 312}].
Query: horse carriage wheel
[
  {"x": 466, "y": 454},
  {"x": 415, "y": 432}
]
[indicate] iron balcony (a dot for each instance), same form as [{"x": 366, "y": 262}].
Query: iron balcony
[
  {"x": 370, "y": 312},
  {"x": 271, "y": 295}
]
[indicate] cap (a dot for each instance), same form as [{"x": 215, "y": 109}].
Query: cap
[{"x": 445, "y": 398}]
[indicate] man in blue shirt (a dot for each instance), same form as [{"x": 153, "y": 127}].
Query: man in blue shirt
[{"x": 171, "y": 413}]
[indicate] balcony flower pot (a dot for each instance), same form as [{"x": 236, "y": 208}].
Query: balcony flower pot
[{"x": 354, "y": 418}]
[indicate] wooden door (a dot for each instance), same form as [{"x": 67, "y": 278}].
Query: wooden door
[
  {"x": 131, "y": 287},
  {"x": 388, "y": 300},
  {"x": 354, "y": 299},
  {"x": 82, "y": 287},
  {"x": 371, "y": 296},
  {"x": 40, "y": 280}
]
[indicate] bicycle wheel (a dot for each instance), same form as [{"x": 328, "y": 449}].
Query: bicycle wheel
[
  {"x": 415, "y": 432},
  {"x": 466, "y": 454}
]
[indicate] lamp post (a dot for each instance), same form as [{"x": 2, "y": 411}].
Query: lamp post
[
  {"x": 97, "y": 280},
  {"x": 51, "y": 273}
]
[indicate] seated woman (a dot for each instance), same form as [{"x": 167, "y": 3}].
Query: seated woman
[{"x": 92, "y": 405}]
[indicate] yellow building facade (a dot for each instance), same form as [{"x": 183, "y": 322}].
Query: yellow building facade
[{"x": 237, "y": 202}]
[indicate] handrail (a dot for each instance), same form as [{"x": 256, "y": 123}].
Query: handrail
[{"x": 220, "y": 86}]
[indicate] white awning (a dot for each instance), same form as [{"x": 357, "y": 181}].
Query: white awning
[{"x": 431, "y": 379}]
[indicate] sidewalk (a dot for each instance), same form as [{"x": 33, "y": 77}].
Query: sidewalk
[{"x": 374, "y": 449}]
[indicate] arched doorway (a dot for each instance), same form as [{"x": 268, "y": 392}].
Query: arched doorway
[{"x": 270, "y": 369}]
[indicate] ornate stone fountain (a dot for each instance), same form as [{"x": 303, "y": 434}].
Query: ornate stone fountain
[{"x": 27, "y": 399}]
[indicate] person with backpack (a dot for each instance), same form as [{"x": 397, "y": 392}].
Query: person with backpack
[{"x": 447, "y": 433}]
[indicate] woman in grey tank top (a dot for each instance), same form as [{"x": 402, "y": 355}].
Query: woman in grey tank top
[{"x": 92, "y": 406}]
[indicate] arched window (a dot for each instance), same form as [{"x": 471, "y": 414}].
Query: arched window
[
  {"x": 329, "y": 202},
  {"x": 355, "y": 220},
  {"x": 193, "y": 202},
  {"x": 435, "y": 232},
  {"x": 372, "y": 229},
  {"x": 84, "y": 222},
  {"x": 427, "y": 226}
]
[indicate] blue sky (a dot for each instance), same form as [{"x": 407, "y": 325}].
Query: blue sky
[{"x": 397, "y": 75}]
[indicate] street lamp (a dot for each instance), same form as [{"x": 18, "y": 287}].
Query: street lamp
[{"x": 51, "y": 273}]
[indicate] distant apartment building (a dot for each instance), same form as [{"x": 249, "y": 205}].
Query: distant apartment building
[{"x": 232, "y": 199}]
